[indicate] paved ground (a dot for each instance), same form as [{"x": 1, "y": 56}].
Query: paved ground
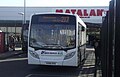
[
  {"x": 87, "y": 70},
  {"x": 9, "y": 54}
]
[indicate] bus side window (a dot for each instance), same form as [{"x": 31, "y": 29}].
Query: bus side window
[{"x": 79, "y": 34}]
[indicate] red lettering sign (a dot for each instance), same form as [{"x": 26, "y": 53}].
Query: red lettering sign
[
  {"x": 92, "y": 12},
  {"x": 83, "y": 13},
  {"x": 79, "y": 13},
  {"x": 67, "y": 11},
  {"x": 73, "y": 11},
  {"x": 59, "y": 11},
  {"x": 99, "y": 12}
]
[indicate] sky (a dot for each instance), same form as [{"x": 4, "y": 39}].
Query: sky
[{"x": 54, "y": 3}]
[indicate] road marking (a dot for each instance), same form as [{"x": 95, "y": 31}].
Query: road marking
[
  {"x": 29, "y": 75},
  {"x": 6, "y": 60},
  {"x": 32, "y": 75}
]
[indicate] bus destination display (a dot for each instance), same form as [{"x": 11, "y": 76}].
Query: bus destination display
[{"x": 60, "y": 19}]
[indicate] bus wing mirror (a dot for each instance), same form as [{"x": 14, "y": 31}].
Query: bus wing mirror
[{"x": 82, "y": 29}]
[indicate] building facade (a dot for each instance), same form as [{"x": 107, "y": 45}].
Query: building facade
[{"x": 12, "y": 18}]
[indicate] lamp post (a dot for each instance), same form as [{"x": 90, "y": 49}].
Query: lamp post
[
  {"x": 21, "y": 13},
  {"x": 23, "y": 24},
  {"x": 24, "y": 11}
]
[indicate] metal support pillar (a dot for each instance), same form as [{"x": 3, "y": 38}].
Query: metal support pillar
[{"x": 117, "y": 38}]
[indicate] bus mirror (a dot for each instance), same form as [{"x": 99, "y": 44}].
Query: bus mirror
[{"x": 82, "y": 29}]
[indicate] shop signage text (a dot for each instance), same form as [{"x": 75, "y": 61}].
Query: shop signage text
[{"x": 83, "y": 13}]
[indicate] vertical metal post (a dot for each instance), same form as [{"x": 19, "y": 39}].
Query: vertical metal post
[
  {"x": 108, "y": 43},
  {"x": 110, "y": 37},
  {"x": 117, "y": 38},
  {"x": 104, "y": 46},
  {"x": 24, "y": 11},
  {"x": 22, "y": 37}
]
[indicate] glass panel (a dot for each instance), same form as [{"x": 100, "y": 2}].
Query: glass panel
[
  {"x": 3, "y": 29},
  {"x": 52, "y": 36},
  {"x": 18, "y": 30}
]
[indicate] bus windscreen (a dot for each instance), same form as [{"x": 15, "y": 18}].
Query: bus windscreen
[{"x": 51, "y": 31}]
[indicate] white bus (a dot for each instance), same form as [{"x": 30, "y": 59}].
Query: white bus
[{"x": 56, "y": 39}]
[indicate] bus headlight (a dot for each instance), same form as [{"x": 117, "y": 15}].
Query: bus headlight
[
  {"x": 69, "y": 55},
  {"x": 34, "y": 54}
]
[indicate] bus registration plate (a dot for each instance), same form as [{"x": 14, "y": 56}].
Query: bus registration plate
[{"x": 51, "y": 63}]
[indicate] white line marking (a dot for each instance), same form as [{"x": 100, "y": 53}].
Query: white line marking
[
  {"x": 29, "y": 75},
  {"x": 13, "y": 59}
]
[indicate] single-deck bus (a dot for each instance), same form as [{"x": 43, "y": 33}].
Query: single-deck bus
[{"x": 56, "y": 39}]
